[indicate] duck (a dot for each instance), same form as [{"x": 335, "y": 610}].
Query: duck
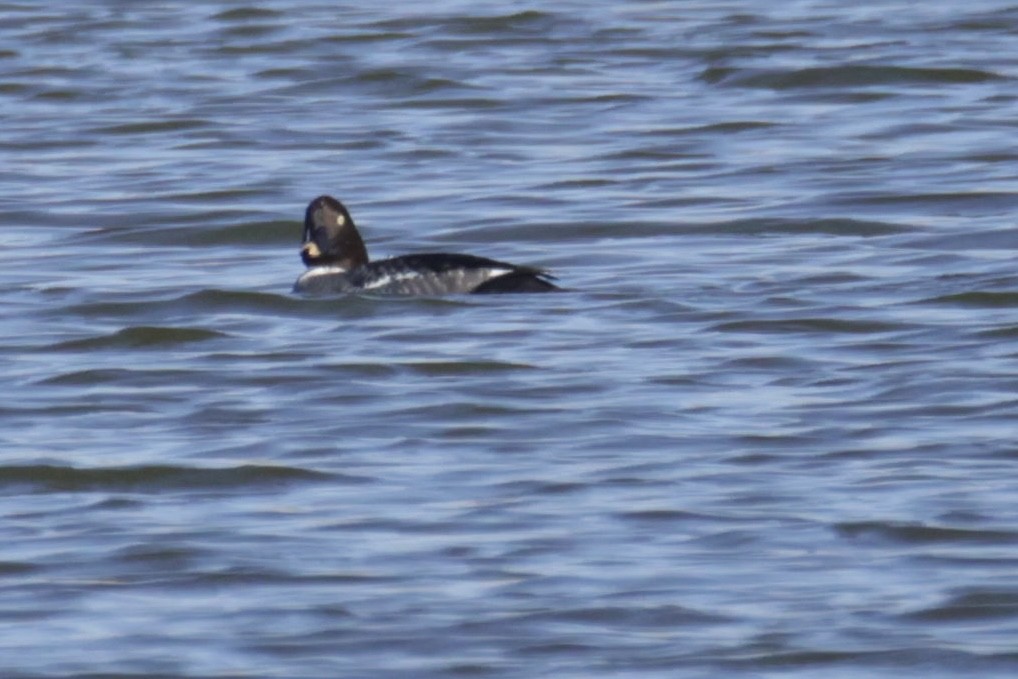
[{"x": 337, "y": 262}]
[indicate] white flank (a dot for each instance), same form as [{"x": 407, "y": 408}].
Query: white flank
[
  {"x": 387, "y": 279},
  {"x": 427, "y": 282},
  {"x": 316, "y": 271},
  {"x": 433, "y": 280}
]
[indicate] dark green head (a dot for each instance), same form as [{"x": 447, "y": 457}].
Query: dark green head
[{"x": 330, "y": 237}]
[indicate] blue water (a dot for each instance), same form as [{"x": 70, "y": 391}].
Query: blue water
[{"x": 769, "y": 432}]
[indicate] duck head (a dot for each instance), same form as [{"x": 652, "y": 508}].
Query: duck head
[{"x": 330, "y": 237}]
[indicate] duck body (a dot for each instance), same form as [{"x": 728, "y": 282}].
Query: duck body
[
  {"x": 337, "y": 262},
  {"x": 425, "y": 274}
]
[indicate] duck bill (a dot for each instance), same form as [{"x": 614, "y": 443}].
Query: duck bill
[{"x": 310, "y": 253}]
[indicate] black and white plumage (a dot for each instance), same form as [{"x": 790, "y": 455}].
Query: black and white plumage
[{"x": 337, "y": 262}]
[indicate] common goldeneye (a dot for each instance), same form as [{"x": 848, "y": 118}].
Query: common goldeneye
[{"x": 337, "y": 262}]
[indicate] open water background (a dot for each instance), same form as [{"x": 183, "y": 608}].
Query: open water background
[{"x": 773, "y": 432}]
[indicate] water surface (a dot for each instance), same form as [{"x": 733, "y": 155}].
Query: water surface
[{"x": 770, "y": 432}]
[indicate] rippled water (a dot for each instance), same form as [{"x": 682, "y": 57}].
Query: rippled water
[{"x": 770, "y": 432}]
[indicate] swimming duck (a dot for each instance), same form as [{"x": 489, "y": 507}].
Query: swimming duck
[{"x": 337, "y": 262}]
